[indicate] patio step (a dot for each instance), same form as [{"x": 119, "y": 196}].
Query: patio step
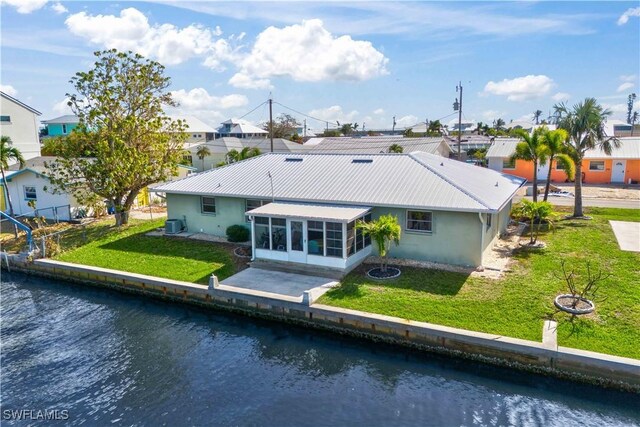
[{"x": 295, "y": 268}]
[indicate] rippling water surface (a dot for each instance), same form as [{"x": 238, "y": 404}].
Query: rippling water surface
[{"x": 117, "y": 359}]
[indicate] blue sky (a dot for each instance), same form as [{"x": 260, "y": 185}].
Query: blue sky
[{"x": 352, "y": 62}]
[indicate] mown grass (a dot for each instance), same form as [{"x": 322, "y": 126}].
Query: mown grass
[
  {"x": 129, "y": 249},
  {"x": 518, "y": 304}
]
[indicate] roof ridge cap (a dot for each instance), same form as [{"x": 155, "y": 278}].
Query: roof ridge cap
[{"x": 445, "y": 179}]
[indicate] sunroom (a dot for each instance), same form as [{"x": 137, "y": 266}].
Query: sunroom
[{"x": 322, "y": 235}]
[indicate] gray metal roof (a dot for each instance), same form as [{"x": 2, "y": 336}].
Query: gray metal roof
[
  {"x": 310, "y": 211},
  {"x": 415, "y": 180},
  {"x": 66, "y": 119},
  {"x": 629, "y": 149},
  {"x": 503, "y": 147},
  {"x": 194, "y": 124},
  {"x": 374, "y": 145}
]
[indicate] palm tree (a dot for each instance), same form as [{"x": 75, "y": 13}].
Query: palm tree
[
  {"x": 498, "y": 124},
  {"x": 585, "y": 125},
  {"x": 395, "y": 148},
  {"x": 532, "y": 211},
  {"x": 556, "y": 150},
  {"x": 202, "y": 152},
  {"x": 531, "y": 149},
  {"x": 246, "y": 153},
  {"x": 7, "y": 154},
  {"x": 383, "y": 231},
  {"x": 536, "y": 116},
  {"x": 634, "y": 119}
]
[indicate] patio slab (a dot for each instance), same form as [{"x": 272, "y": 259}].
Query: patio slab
[
  {"x": 277, "y": 282},
  {"x": 628, "y": 235}
]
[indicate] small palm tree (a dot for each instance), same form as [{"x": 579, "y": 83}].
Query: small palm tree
[
  {"x": 202, "y": 152},
  {"x": 532, "y": 211},
  {"x": 531, "y": 149},
  {"x": 536, "y": 116},
  {"x": 383, "y": 231},
  {"x": 499, "y": 124},
  {"x": 554, "y": 142},
  {"x": 585, "y": 125},
  {"x": 395, "y": 148},
  {"x": 246, "y": 153},
  {"x": 8, "y": 153}
]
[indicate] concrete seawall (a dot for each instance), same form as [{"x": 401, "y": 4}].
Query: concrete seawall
[{"x": 540, "y": 357}]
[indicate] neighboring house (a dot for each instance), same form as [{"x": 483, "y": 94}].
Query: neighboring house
[
  {"x": 20, "y": 122},
  {"x": 622, "y": 166},
  {"x": 620, "y": 128},
  {"x": 375, "y": 145},
  {"x": 218, "y": 150},
  {"x": 61, "y": 126},
  {"x": 197, "y": 130},
  {"x": 240, "y": 129},
  {"x": 302, "y": 208}
]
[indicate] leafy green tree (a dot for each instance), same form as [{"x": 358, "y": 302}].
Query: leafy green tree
[
  {"x": 435, "y": 128},
  {"x": 532, "y": 149},
  {"x": 331, "y": 133},
  {"x": 536, "y": 116},
  {"x": 554, "y": 142},
  {"x": 532, "y": 211},
  {"x": 383, "y": 231},
  {"x": 8, "y": 153},
  {"x": 202, "y": 152},
  {"x": 584, "y": 123},
  {"x": 395, "y": 148},
  {"x": 346, "y": 128},
  {"x": 124, "y": 141},
  {"x": 246, "y": 153},
  {"x": 284, "y": 126}
]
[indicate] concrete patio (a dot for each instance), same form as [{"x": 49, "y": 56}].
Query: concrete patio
[
  {"x": 628, "y": 235},
  {"x": 278, "y": 282}
]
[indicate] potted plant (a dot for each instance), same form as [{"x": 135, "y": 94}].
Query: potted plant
[
  {"x": 383, "y": 231},
  {"x": 579, "y": 300}
]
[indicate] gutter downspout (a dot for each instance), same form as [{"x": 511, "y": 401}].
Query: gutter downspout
[
  {"x": 253, "y": 238},
  {"x": 482, "y": 231}
]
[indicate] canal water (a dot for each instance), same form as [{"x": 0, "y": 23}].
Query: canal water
[{"x": 115, "y": 359}]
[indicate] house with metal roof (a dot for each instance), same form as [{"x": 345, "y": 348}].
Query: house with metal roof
[
  {"x": 375, "y": 145},
  {"x": 61, "y": 126},
  {"x": 303, "y": 208},
  {"x": 240, "y": 129},
  {"x": 622, "y": 166}
]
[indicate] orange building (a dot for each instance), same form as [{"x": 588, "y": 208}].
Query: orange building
[{"x": 622, "y": 166}]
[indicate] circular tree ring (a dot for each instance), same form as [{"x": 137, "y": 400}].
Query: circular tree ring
[
  {"x": 242, "y": 251},
  {"x": 565, "y": 303},
  {"x": 378, "y": 274}
]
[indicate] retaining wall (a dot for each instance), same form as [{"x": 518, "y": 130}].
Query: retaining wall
[{"x": 547, "y": 358}]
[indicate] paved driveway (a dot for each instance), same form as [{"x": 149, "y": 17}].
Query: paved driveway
[
  {"x": 276, "y": 282},
  {"x": 628, "y": 235}
]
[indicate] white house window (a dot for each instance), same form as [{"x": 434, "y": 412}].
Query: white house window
[
  {"x": 5, "y": 119},
  {"x": 251, "y": 204},
  {"x": 315, "y": 237},
  {"x": 279, "y": 234},
  {"x": 508, "y": 163},
  {"x": 596, "y": 165},
  {"x": 263, "y": 240},
  {"x": 356, "y": 240},
  {"x": 419, "y": 221},
  {"x": 64, "y": 128},
  {"x": 334, "y": 239},
  {"x": 30, "y": 193},
  {"x": 208, "y": 205}
]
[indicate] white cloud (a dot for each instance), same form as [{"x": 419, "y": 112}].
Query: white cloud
[
  {"x": 625, "y": 86},
  {"x": 334, "y": 114},
  {"x": 521, "y": 88},
  {"x": 59, "y": 8},
  {"x": 628, "y": 77},
  {"x": 167, "y": 43},
  {"x": 308, "y": 52},
  {"x": 243, "y": 81},
  {"x": 561, "y": 96},
  {"x": 379, "y": 111},
  {"x": 624, "y": 18},
  {"x": 9, "y": 90},
  {"x": 25, "y": 6},
  {"x": 62, "y": 107},
  {"x": 406, "y": 121},
  {"x": 615, "y": 108},
  {"x": 199, "y": 99},
  {"x": 490, "y": 115}
]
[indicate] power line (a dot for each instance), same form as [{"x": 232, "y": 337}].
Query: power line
[{"x": 263, "y": 103}]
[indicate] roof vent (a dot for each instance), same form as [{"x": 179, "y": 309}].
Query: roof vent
[
  {"x": 293, "y": 159},
  {"x": 362, "y": 161}
]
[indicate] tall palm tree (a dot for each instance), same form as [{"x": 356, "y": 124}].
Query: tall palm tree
[
  {"x": 202, "y": 152},
  {"x": 536, "y": 116},
  {"x": 7, "y": 154},
  {"x": 531, "y": 149},
  {"x": 498, "y": 124},
  {"x": 585, "y": 125},
  {"x": 556, "y": 150}
]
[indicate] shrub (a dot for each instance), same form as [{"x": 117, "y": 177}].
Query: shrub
[{"x": 237, "y": 233}]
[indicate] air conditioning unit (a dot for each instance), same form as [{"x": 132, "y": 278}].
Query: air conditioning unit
[{"x": 173, "y": 226}]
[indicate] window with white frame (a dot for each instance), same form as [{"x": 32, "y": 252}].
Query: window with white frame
[
  {"x": 508, "y": 163},
  {"x": 64, "y": 128},
  {"x": 30, "y": 193},
  {"x": 208, "y": 205},
  {"x": 334, "y": 239},
  {"x": 5, "y": 119},
  {"x": 251, "y": 204},
  {"x": 419, "y": 221},
  {"x": 596, "y": 165}
]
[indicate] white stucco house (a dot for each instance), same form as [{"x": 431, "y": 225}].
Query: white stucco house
[{"x": 20, "y": 122}]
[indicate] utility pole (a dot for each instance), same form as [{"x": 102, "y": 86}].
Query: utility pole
[
  {"x": 364, "y": 133},
  {"x": 426, "y": 127},
  {"x": 271, "y": 121},
  {"x": 393, "y": 129},
  {"x": 305, "y": 127},
  {"x": 458, "y": 106}
]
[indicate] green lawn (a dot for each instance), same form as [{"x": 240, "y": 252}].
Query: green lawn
[
  {"x": 128, "y": 249},
  {"x": 518, "y": 304}
]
